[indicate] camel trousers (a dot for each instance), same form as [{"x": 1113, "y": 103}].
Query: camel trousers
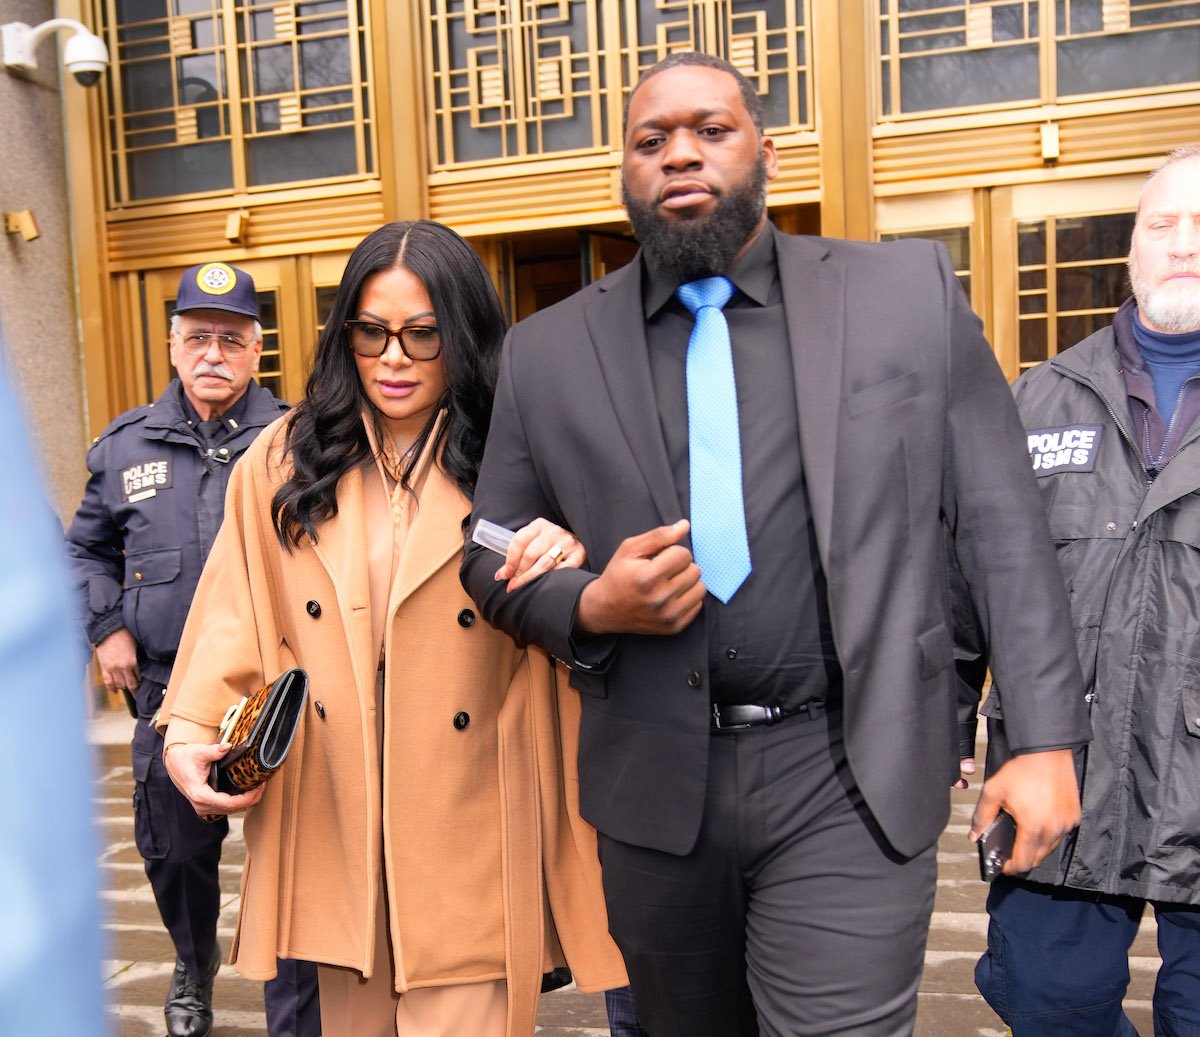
[
  {"x": 355, "y": 1007},
  {"x": 352, "y": 1006}
]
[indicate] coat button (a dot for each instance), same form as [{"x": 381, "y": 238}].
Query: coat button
[
  {"x": 313, "y": 608},
  {"x": 137, "y": 576},
  {"x": 731, "y": 653},
  {"x": 466, "y": 618},
  {"x": 319, "y": 706},
  {"x": 461, "y": 720},
  {"x": 693, "y": 679}
]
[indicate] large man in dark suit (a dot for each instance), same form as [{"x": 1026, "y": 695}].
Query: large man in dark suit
[{"x": 769, "y": 766}]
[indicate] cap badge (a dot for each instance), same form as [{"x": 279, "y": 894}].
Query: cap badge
[{"x": 216, "y": 279}]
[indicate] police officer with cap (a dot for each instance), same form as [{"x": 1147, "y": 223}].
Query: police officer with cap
[{"x": 153, "y": 504}]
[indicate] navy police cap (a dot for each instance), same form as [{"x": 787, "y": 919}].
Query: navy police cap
[{"x": 217, "y": 286}]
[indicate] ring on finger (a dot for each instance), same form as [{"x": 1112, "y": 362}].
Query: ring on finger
[{"x": 556, "y": 553}]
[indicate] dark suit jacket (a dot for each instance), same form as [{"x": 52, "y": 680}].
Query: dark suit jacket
[{"x": 906, "y": 423}]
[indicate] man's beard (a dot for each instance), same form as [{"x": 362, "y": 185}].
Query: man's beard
[
  {"x": 688, "y": 248},
  {"x": 1163, "y": 306}
]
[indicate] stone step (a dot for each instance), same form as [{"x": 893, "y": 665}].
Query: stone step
[
  {"x": 137, "y": 989},
  {"x": 140, "y": 955}
]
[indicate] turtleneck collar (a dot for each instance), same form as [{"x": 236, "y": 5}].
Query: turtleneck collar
[
  {"x": 1171, "y": 360},
  {"x": 1160, "y": 347}
]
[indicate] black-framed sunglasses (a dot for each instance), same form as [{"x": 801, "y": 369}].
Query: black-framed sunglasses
[{"x": 417, "y": 341}]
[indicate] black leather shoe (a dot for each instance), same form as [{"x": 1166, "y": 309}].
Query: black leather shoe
[{"x": 189, "y": 1001}]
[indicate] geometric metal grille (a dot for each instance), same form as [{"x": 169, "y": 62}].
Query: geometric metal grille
[
  {"x": 1121, "y": 45},
  {"x": 219, "y": 95},
  {"x": 992, "y": 53},
  {"x": 511, "y": 80}
]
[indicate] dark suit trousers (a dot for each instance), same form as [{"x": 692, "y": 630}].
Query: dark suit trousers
[
  {"x": 291, "y": 1001},
  {"x": 790, "y": 916}
]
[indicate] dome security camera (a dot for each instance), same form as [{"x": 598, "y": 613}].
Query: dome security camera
[
  {"x": 84, "y": 54},
  {"x": 85, "y": 57}
]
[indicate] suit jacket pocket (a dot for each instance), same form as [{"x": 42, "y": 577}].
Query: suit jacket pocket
[
  {"x": 937, "y": 651},
  {"x": 589, "y": 683},
  {"x": 883, "y": 394}
]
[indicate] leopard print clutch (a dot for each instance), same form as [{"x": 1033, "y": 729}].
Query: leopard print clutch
[{"x": 261, "y": 729}]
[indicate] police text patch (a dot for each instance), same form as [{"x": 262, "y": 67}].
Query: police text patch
[
  {"x": 144, "y": 480},
  {"x": 1071, "y": 448}
]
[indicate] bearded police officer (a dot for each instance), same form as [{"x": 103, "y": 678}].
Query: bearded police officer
[
  {"x": 151, "y": 511},
  {"x": 1113, "y": 431}
]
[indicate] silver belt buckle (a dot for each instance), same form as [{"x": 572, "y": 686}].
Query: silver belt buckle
[{"x": 716, "y": 716}]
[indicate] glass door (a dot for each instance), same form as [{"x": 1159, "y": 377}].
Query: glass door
[
  {"x": 1043, "y": 264},
  {"x": 1066, "y": 271}
]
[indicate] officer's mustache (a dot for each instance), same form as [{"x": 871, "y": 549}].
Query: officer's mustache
[{"x": 220, "y": 370}]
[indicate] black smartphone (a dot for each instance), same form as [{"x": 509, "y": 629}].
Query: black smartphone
[{"x": 996, "y": 845}]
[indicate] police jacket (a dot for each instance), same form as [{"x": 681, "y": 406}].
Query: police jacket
[
  {"x": 1128, "y": 540},
  {"x": 151, "y": 510}
]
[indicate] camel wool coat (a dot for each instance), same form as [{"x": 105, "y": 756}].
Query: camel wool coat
[{"x": 473, "y": 824}]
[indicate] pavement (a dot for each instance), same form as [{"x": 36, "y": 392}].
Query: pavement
[{"x": 141, "y": 958}]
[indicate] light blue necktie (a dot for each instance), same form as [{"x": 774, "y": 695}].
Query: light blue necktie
[{"x": 719, "y": 542}]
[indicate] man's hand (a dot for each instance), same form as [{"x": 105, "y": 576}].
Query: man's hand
[
  {"x": 188, "y": 764},
  {"x": 1042, "y": 794},
  {"x": 651, "y": 585},
  {"x": 117, "y": 656}
]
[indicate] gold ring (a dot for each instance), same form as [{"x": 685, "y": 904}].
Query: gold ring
[{"x": 556, "y": 553}]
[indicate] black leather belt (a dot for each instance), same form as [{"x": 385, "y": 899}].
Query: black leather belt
[{"x": 727, "y": 717}]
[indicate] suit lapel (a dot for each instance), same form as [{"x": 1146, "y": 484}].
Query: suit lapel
[
  {"x": 813, "y": 286},
  {"x": 436, "y": 509},
  {"x": 814, "y": 304},
  {"x": 342, "y": 551},
  {"x": 616, "y": 324},
  {"x": 434, "y": 538}
]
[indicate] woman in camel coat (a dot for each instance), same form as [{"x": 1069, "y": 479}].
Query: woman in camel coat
[{"x": 422, "y": 842}]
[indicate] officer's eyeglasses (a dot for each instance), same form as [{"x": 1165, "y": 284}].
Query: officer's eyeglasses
[
  {"x": 417, "y": 341},
  {"x": 197, "y": 343}
]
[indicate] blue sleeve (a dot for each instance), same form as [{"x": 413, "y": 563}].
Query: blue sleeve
[{"x": 50, "y": 962}]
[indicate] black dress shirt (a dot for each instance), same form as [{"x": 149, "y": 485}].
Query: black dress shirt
[{"x": 772, "y": 643}]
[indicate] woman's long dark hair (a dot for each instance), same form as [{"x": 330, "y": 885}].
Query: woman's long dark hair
[{"x": 326, "y": 438}]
